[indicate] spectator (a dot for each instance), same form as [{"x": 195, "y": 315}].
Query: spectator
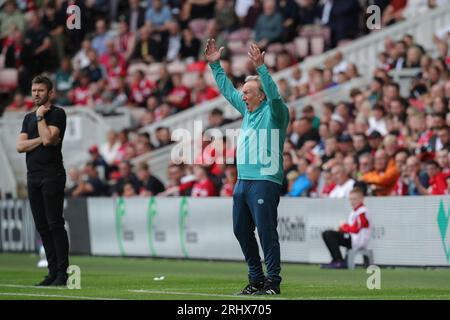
[
  {"x": 141, "y": 88},
  {"x": 163, "y": 137},
  {"x": 309, "y": 12},
  {"x": 202, "y": 92},
  {"x": 158, "y": 15},
  {"x": 216, "y": 119},
  {"x": 304, "y": 131},
  {"x": 128, "y": 190},
  {"x": 351, "y": 167},
  {"x": 101, "y": 37},
  {"x": 327, "y": 184},
  {"x": 126, "y": 176},
  {"x": 254, "y": 11},
  {"x": 225, "y": 16},
  {"x": 190, "y": 46},
  {"x": 197, "y": 9},
  {"x": 341, "y": 16},
  {"x": 54, "y": 23},
  {"x": 344, "y": 184},
  {"x": 180, "y": 96},
  {"x": 150, "y": 47},
  {"x": 289, "y": 10},
  {"x": 173, "y": 41},
  {"x": 94, "y": 186},
  {"x": 203, "y": 186},
  {"x": 229, "y": 181},
  {"x": 150, "y": 185},
  {"x": 94, "y": 70},
  {"x": 360, "y": 145},
  {"x": 38, "y": 39},
  {"x": 11, "y": 19},
  {"x": 375, "y": 139},
  {"x": 19, "y": 56},
  {"x": 269, "y": 26},
  {"x": 81, "y": 59},
  {"x": 309, "y": 112},
  {"x": 288, "y": 167},
  {"x": 355, "y": 234},
  {"x": 384, "y": 175},
  {"x": 437, "y": 180},
  {"x": 124, "y": 143},
  {"x": 63, "y": 82},
  {"x": 97, "y": 160},
  {"x": 20, "y": 103},
  {"x": 125, "y": 40},
  {"x": 377, "y": 121},
  {"x": 393, "y": 12},
  {"x": 441, "y": 140},
  {"x": 80, "y": 94},
  {"x": 442, "y": 158},
  {"x": 164, "y": 84},
  {"x": 110, "y": 149},
  {"x": 313, "y": 175},
  {"x": 135, "y": 16},
  {"x": 302, "y": 184},
  {"x": 73, "y": 181}
]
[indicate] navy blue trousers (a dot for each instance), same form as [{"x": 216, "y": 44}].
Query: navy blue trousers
[{"x": 255, "y": 203}]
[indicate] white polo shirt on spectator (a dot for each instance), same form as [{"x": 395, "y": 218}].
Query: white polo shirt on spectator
[{"x": 343, "y": 190}]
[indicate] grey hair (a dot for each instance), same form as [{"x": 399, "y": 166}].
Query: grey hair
[{"x": 257, "y": 79}]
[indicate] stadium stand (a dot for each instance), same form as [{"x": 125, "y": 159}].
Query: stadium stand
[{"x": 139, "y": 67}]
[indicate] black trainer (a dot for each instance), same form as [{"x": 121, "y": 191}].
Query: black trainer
[
  {"x": 252, "y": 288},
  {"x": 59, "y": 281},
  {"x": 48, "y": 280},
  {"x": 269, "y": 288}
]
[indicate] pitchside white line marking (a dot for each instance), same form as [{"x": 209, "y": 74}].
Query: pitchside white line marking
[
  {"x": 205, "y": 294},
  {"x": 32, "y": 287},
  {"x": 15, "y": 294}
]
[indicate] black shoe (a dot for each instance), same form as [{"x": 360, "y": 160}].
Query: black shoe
[
  {"x": 59, "y": 281},
  {"x": 252, "y": 288},
  {"x": 270, "y": 287},
  {"x": 48, "y": 280}
]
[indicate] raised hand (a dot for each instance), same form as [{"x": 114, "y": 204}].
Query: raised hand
[
  {"x": 42, "y": 110},
  {"x": 256, "y": 56},
  {"x": 211, "y": 52}
]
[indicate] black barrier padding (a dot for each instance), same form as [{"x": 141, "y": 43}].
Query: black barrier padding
[{"x": 76, "y": 216}]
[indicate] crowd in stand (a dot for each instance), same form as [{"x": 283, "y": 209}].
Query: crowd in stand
[{"x": 384, "y": 142}]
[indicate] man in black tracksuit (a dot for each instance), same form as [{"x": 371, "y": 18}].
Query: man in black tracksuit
[{"x": 41, "y": 139}]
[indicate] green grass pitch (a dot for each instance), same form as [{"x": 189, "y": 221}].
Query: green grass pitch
[{"x": 133, "y": 278}]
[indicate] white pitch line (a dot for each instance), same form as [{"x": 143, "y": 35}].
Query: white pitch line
[
  {"x": 31, "y": 287},
  {"x": 15, "y": 294},
  {"x": 205, "y": 294}
]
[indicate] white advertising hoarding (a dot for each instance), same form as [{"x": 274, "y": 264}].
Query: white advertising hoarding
[{"x": 406, "y": 230}]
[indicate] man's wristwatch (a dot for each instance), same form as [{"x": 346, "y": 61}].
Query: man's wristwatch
[{"x": 39, "y": 118}]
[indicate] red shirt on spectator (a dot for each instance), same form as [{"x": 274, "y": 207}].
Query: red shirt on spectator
[
  {"x": 438, "y": 184},
  {"x": 80, "y": 96},
  {"x": 141, "y": 91},
  {"x": 326, "y": 189},
  {"x": 114, "y": 74},
  {"x": 204, "y": 188},
  {"x": 424, "y": 138},
  {"x": 26, "y": 106},
  {"x": 205, "y": 95},
  {"x": 227, "y": 189},
  {"x": 185, "y": 94}
]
